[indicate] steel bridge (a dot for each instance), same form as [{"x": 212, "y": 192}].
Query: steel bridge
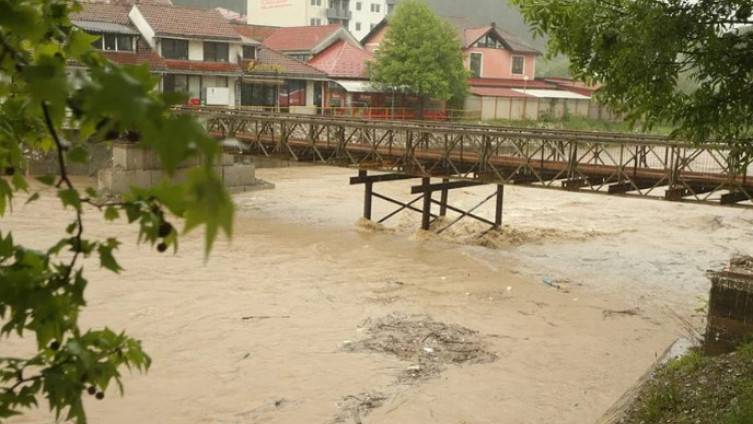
[{"x": 463, "y": 155}]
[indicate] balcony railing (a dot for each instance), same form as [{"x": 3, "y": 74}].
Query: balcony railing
[{"x": 338, "y": 13}]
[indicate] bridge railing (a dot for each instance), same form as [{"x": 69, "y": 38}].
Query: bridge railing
[{"x": 611, "y": 163}]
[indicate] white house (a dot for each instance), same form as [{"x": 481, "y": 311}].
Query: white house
[{"x": 201, "y": 52}]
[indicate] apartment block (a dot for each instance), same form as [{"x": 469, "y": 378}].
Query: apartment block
[{"x": 358, "y": 16}]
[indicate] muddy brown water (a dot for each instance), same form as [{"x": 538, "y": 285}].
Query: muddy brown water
[{"x": 299, "y": 260}]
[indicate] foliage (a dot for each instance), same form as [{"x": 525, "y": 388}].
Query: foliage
[
  {"x": 42, "y": 292},
  {"x": 697, "y": 388},
  {"x": 558, "y": 66},
  {"x": 639, "y": 50},
  {"x": 421, "y": 54}
]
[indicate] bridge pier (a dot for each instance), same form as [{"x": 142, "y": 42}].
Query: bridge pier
[
  {"x": 426, "y": 215},
  {"x": 426, "y": 191}
]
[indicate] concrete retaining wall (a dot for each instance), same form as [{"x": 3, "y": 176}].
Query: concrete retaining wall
[
  {"x": 100, "y": 157},
  {"x": 730, "y": 318},
  {"x": 134, "y": 166}
]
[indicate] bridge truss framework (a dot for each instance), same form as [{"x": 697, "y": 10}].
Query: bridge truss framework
[{"x": 461, "y": 155}]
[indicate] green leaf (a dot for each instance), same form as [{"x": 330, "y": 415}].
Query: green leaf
[
  {"x": 6, "y": 246},
  {"x": 78, "y": 154},
  {"x": 79, "y": 43},
  {"x": 209, "y": 205},
  {"x": 33, "y": 198},
  {"x": 106, "y": 259},
  {"x": 19, "y": 182},
  {"x": 111, "y": 213},
  {"x": 48, "y": 180},
  {"x": 70, "y": 197}
]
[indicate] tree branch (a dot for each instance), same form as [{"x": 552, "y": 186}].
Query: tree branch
[{"x": 64, "y": 179}]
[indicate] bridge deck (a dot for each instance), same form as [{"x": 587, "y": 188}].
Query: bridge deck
[{"x": 612, "y": 163}]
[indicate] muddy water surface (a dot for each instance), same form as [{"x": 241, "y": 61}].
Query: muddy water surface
[{"x": 260, "y": 333}]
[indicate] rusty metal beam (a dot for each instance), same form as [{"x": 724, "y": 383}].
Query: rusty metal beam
[
  {"x": 444, "y": 186},
  {"x": 735, "y": 197},
  {"x": 629, "y": 186},
  {"x": 364, "y": 179},
  {"x": 680, "y": 192}
]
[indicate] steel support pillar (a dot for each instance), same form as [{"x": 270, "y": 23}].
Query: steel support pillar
[
  {"x": 426, "y": 213},
  {"x": 367, "y": 194},
  {"x": 500, "y": 205},
  {"x": 443, "y": 199}
]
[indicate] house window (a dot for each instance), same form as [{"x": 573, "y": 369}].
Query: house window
[
  {"x": 258, "y": 95},
  {"x": 249, "y": 52},
  {"x": 293, "y": 93},
  {"x": 490, "y": 41},
  {"x": 316, "y": 2},
  {"x": 174, "y": 49},
  {"x": 304, "y": 57},
  {"x": 518, "y": 63},
  {"x": 111, "y": 42},
  {"x": 316, "y": 22},
  {"x": 476, "y": 59},
  {"x": 125, "y": 43},
  {"x": 358, "y": 26},
  {"x": 216, "y": 52},
  {"x": 376, "y": 7},
  {"x": 359, "y": 5},
  {"x": 172, "y": 83}
]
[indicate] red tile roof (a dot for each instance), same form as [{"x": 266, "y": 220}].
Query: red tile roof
[
  {"x": 572, "y": 85},
  {"x": 199, "y": 67},
  {"x": 103, "y": 12},
  {"x": 299, "y": 38},
  {"x": 511, "y": 83},
  {"x": 255, "y": 32},
  {"x": 270, "y": 62},
  {"x": 187, "y": 22},
  {"x": 343, "y": 60}
]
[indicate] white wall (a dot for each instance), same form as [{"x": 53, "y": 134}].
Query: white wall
[
  {"x": 236, "y": 51},
  {"x": 365, "y": 16},
  {"x": 310, "y": 89},
  {"x": 141, "y": 24},
  {"x": 289, "y": 13},
  {"x": 278, "y": 12},
  {"x": 194, "y": 86},
  {"x": 195, "y": 50}
]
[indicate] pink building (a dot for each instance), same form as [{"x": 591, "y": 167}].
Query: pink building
[{"x": 492, "y": 53}]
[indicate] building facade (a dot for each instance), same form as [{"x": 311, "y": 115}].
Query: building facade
[{"x": 358, "y": 16}]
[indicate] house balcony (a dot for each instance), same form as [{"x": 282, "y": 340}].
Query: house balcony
[{"x": 338, "y": 13}]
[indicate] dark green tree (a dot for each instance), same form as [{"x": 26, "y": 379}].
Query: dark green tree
[
  {"x": 45, "y": 108},
  {"x": 638, "y": 51},
  {"x": 421, "y": 54}
]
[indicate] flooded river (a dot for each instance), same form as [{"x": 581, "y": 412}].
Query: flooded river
[{"x": 260, "y": 333}]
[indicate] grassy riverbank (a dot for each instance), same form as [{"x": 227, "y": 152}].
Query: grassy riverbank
[{"x": 698, "y": 389}]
